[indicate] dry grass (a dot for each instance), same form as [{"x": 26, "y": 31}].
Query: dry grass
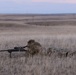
[
  {"x": 55, "y": 37},
  {"x": 37, "y": 66},
  {"x": 52, "y": 23},
  {"x": 19, "y": 64}
]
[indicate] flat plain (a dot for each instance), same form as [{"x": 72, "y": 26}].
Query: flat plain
[{"x": 52, "y": 31}]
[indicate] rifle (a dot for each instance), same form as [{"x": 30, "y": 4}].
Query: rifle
[{"x": 16, "y": 49}]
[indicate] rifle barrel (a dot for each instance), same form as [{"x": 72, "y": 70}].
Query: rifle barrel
[
  {"x": 3, "y": 50},
  {"x": 12, "y": 50},
  {"x": 16, "y": 49}
]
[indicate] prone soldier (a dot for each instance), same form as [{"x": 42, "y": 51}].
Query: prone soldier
[{"x": 34, "y": 47}]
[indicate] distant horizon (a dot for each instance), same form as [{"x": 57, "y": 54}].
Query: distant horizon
[{"x": 37, "y": 14}]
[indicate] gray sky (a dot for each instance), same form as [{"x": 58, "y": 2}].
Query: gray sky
[{"x": 37, "y": 6}]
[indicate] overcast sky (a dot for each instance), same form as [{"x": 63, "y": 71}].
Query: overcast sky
[{"x": 37, "y": 6}]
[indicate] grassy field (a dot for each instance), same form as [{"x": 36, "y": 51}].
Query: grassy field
[{"x": 51, "y": 31}]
